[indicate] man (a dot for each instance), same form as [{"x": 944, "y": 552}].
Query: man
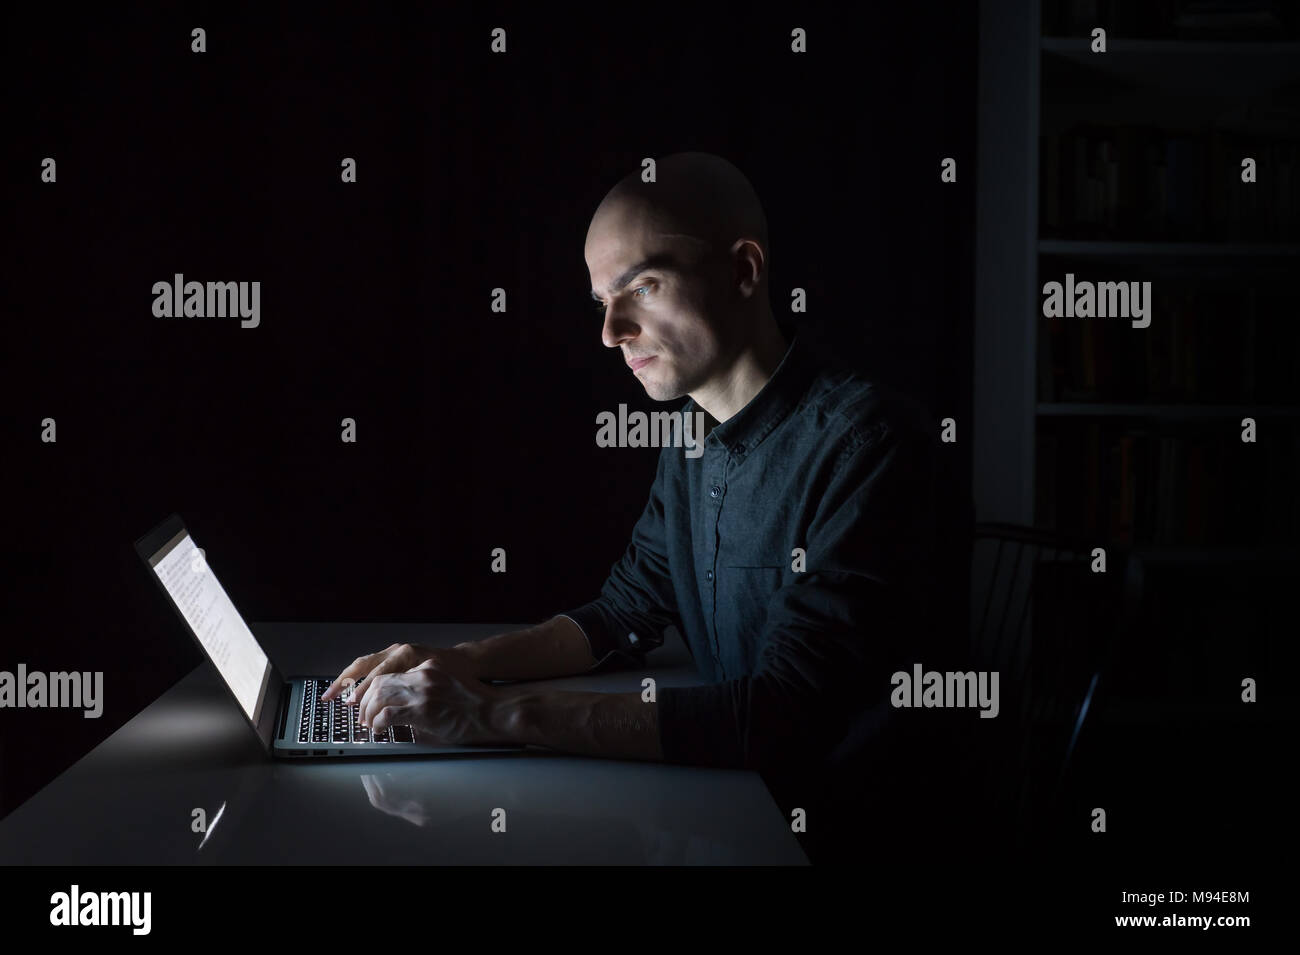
[{"x": 795, "y": 555}]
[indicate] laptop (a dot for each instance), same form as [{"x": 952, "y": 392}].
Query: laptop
[{"x": 286, "y": 714}]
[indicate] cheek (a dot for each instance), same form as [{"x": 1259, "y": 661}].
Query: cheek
[
  {"x": 697, "y": 348},
  {"x": 683, "y": 332}
]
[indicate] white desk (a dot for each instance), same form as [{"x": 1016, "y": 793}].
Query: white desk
[{"x": 130, "y": 800}]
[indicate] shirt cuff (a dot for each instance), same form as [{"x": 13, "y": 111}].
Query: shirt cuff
[
  {"x": 581, "y": 629},
  {"x": 589, "y": 621},
  {"x": 598, "y": 626}
]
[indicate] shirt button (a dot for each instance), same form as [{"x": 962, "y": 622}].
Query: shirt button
[
  {"x": 738, "y": 449},
  {"x": 708, "y": 575},
  {"x": 715, "y": 491}
]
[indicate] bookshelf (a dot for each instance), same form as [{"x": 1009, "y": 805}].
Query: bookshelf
[
  {"x": 1181, "y": 252},
  {"x": 1125, "y": 166},
  {"x": 1139, "y": 179}
]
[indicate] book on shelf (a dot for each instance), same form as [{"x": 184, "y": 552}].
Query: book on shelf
[
  {"x": 1205, "y": 345},
  {"x": 1201, "y": 20},
  {"x": 1142, "y": 485},
  {"x": 1140, "y": 182}
]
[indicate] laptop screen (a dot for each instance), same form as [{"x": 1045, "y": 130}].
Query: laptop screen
[{"x": 216, "y": 623}]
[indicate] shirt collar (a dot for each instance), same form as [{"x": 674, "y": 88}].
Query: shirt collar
[{"x": 745, "y": 430}]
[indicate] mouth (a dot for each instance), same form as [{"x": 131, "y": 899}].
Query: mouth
[{"x": 636, "y": 364}]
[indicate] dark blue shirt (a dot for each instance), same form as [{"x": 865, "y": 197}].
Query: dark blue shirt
[{"x": 799, "y": 558}]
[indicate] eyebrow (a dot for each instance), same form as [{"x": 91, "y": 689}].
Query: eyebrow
[{"x": 661, "y": 261}]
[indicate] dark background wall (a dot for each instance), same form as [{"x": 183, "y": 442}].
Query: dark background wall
[{"x": 475, "y": 429}]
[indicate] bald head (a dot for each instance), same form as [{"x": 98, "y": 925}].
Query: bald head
[
  {"x": 679, "y": 268},
  {"x": 700, "y": 197}
]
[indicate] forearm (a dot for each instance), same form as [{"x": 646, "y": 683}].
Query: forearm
[
  {"x": 613, "y": 725},
  {"x": 551, "y": 649}
]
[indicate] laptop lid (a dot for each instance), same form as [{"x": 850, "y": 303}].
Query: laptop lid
[{"x": 181, "y": 569}]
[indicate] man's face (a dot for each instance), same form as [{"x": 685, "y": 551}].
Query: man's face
[{"x": 659, "y": 305}]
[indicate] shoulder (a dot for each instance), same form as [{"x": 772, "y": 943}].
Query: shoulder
[{"x": 853, "y": 412}]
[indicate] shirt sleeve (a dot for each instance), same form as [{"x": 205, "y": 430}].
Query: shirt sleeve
[
  {"x": 831, "y": 638},
  {"x": 637, "y": 602}
]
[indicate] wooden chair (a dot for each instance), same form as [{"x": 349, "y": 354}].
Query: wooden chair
[{"x": 1051, "y": 627}]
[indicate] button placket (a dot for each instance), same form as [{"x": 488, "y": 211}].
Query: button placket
[{"x": 716, "y": 485}]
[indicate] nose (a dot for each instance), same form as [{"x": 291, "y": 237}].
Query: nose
[{"x": 618, "y": 328}]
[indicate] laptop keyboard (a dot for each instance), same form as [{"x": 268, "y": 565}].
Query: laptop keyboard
[{"x": 336, "y": 722}]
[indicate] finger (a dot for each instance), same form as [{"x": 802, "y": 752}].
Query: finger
[
  {"x": 373, "y": 702},
  {"x": 341, "y": 682},
  {"x": 394, "y": 662},
  {"x": 354, "y": 672},
  {"x": 389, "y": 716},
  {"x": 361, "y": 668}
]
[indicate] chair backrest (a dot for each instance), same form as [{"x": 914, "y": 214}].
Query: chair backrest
[{"x": 1048, "y": 622}]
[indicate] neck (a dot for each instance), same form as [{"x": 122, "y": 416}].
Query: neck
[{"x": 749, "y": 370}]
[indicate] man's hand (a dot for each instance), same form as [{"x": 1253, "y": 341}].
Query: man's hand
[
  {"x": 443, "y": 697},
  {"x": 397, "y": 658}
]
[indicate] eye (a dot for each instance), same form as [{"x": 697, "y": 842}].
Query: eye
[{"x": 600, "y": 306}]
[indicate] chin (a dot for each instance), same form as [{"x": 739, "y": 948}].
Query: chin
[
  {"x": 659, "y": 391},
  {"x": 663, "y": 383}
]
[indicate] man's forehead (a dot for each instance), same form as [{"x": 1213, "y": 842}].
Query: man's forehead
[
  {"x": 633, "y": 219},
  {"x": 613, "y": 251},
  {"x": 670, "y": 252}
]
